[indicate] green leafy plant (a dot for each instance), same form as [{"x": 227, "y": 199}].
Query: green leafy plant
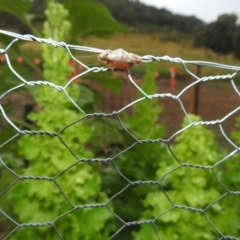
[
  {"x": 103, "y": 24},
  {"x": 140, "y": 162},
  {"x": 192, "y": 187},
  {"x": 42, "y": 201}
]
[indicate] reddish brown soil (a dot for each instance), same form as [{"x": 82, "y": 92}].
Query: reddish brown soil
[{"x": 216, "y": 100}]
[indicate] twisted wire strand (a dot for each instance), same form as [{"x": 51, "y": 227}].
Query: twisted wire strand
[{"x": 113, "y": 159}]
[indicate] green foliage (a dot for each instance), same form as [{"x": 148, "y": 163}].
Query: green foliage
[
  {"x": 103, "y": 24},
  {"x": 236, "y": 39},
  {"x": 140, "y": 162},
  {"x": 149, "y": 110},
  {"x": 42, "y": 201},
  {"x": 191, "y": 187},
  {"x": 218, "y": 35},
  {"x": 231, "y": 167},
  {"x": 83, "y": 22},
  {"x": 19, "y": 10},
  {"x": 203, "y": 151},
  {"x": 236, "y": 134},
  {"x": 143, "y": 125}
]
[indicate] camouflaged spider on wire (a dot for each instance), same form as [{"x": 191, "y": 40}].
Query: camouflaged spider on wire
[{"x": 119, "y": 60}]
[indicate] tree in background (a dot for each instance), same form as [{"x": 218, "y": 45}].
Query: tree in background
[
  {"x": 144, "y": 17},
  {"x": 236, "y": 40},
  {"x": 42, "y": 201},
  {"x": 190, "y": 187},
  {"x": 218, "y": 36}
]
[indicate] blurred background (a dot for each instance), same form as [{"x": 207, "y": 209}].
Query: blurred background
[{"x": 191, "y": 30}]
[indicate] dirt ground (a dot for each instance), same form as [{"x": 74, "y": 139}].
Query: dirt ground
[{"x": 216, "y": 99}]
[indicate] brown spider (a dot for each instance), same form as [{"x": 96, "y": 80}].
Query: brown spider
[{"x": 119, "y": 60}]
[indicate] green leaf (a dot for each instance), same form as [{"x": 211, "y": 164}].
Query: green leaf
[
  {"x": 172, "y": 216},
  {"x": 5, "y": 40},
  {"x": 83, "y": 22},
  {"x": 146, "y": 232},
  {"x": 27, "y": 147},
  {"x": 17, "y": 8},
  {"x": 53, "y": 156}
]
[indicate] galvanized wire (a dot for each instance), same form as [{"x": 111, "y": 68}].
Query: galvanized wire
[{"x": 145, "y": 59}]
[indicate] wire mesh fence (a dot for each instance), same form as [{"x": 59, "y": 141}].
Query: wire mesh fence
[{"x": 166, "y": 207}]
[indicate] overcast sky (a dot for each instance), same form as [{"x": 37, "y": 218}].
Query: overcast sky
[{"x": 206, "y": 10}]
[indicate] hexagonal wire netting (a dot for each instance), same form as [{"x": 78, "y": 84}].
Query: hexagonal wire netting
[{"x": 118, "y": 62}]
